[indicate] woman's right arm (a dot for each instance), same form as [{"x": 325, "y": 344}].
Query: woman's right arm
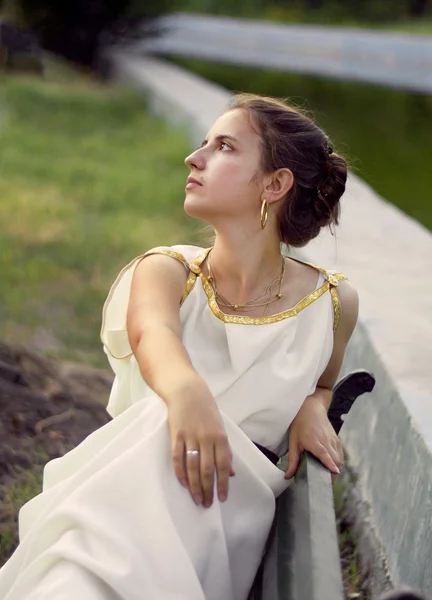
[
  {"x": 154, "y": 327},
  {"x": 154, "y": 330}
]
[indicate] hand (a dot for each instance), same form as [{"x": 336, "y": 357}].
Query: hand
[
  {"x": 312, "y": 431},
  {"x": 195, "y": 424}
]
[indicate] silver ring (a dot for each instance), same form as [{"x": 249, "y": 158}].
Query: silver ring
[{"x": 192, "y": 451}]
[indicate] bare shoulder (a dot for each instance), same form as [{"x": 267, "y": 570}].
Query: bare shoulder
[
  {"x": 157, "y": 289},
  {"x": 349, "y": 301},
  {"x": 349, "y": 304},
  {"x": 159, "y": 276},
  {"x": 166, "y": 262}
]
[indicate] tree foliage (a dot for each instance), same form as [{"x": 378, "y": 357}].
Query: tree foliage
[
  {"x": 364, "y": 10},
  {"x": 310, "y": 10},
  {"x": 72, "y": 28}
]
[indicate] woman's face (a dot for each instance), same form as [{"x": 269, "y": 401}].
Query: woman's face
[{"x": 228, "y": 167}]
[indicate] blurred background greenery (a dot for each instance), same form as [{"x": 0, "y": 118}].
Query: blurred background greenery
[
  {"x": 88, "y": 181},
  {"x": 73, "y": 28}
]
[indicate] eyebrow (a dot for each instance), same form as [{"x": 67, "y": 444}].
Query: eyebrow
[{"x": 222, "y": 137}]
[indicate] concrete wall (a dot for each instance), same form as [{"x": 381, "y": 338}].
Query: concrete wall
[
  {"x": 388, "y": 257},
  {"x": 391, "y": 501}
]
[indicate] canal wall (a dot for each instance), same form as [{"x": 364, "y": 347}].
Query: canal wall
[{"x": 386, "y": 58}]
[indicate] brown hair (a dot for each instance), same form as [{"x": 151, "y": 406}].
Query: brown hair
[{"x": 292, "y": 139}]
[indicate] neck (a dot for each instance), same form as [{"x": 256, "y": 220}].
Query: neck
[{"x": 245, "y": 264}]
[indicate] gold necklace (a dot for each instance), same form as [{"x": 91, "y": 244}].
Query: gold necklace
[{"x": 255, "y": 302}]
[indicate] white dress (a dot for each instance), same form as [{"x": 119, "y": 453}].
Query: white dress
[{"x": 113, "y": 522}]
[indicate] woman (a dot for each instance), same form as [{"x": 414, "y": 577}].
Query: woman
[{"x": 217, "y": 352}]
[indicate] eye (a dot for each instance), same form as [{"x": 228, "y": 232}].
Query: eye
[{"x": 225, "y": 144}]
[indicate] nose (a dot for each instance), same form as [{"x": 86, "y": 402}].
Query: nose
[{"x": 195, "y": 160}]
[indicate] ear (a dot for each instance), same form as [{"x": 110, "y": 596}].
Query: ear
[{"x": 279, "y": 185}]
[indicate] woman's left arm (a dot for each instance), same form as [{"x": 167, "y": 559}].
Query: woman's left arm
[{"x": 311, "y": 430}]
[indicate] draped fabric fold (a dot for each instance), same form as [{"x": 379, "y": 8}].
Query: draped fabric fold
[{"x": 114, "y": 523}]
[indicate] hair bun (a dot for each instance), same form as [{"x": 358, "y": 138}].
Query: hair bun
[
  {"x": 330, "y": 190},
  {"x": 291, "y": 139}
]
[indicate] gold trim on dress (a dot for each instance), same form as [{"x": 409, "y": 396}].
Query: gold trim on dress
[
  {"x": 190, "y": 282},
  {"x": 195, "y": 265},
  {"x": 171, "y": 253},
  {"x": 189, "y": 285},
  {"x": 194, "y": 269},
  {"x": 331, "y": 282},
  {"x": 292, "y": 312},
  {"x": 334, "y": 278},
  {"x": 118, "y": 357}
]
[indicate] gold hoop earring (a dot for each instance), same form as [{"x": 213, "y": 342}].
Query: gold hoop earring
[{"x": 264, "y": 213}]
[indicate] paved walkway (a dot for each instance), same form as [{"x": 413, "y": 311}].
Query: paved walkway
[{"x": 386, "y": 58}]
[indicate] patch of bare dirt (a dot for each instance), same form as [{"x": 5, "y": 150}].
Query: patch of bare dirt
[{"x": 47, "y": 408}]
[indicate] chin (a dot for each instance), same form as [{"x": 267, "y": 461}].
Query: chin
[{"x": 195, "y": 208}]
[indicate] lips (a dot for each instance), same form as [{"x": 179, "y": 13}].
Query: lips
[{"x": 193, "y": 180}]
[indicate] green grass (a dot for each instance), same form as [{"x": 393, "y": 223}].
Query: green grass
[
  {"x": 88, "y": 180},
  {"x": 385, "y": 134},
  {"x": 353, "y": 578},
  {"x": 292, "y": 16},
  {"x": 417, "y": 26}
]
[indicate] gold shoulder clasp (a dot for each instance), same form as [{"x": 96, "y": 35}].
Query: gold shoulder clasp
[
  {"x": 333, "y": 280},
  {"x": 194, "y": 268}
]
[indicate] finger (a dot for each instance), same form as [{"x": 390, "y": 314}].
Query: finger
[
  {"x": 323, "y": 455},
  {"x": 223, "y": 459},
  {"x": 341, "y": 455},
  {"x": 177, "y": 453},
  {"x": 207, "y": 472},
  {"x": 335, "y": 450},
  {"x": 294, "y": 455},
  {"x": 334, "y": 455},
  {"x": 193, "y": 472}
]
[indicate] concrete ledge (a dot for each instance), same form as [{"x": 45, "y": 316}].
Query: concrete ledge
[
  {"x": 308, "y": 551},
  {"x": 388, "y": 257},
  {"x": 302, "y": 561},
  {"x": 386, "y": 58},
  {"x": 392, "y": 468}
]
